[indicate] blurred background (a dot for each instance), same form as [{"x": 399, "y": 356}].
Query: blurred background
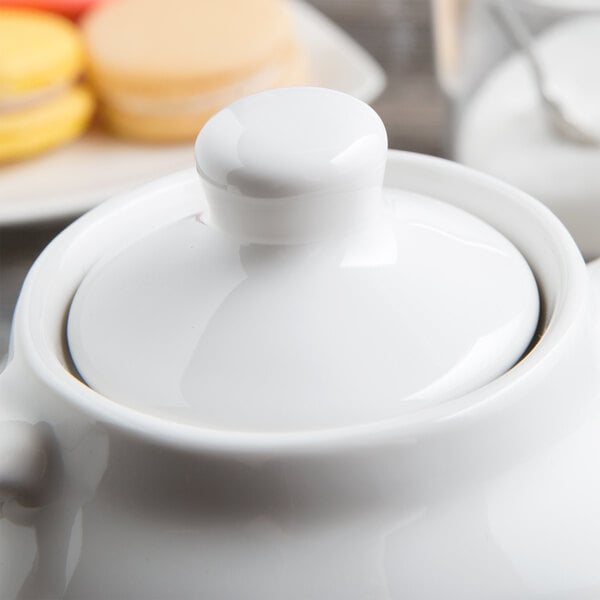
[{"x": 396, "y": 32}]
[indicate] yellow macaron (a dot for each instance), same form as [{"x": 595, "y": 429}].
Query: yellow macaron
[
  {"x": 162, "y": 69},
  {"x": 42, "y": 104}
]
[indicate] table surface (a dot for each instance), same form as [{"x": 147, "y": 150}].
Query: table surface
[{"x": 396, "y": 32}]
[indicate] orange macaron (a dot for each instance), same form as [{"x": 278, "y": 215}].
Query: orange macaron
[{"x": 69, "y": 8}]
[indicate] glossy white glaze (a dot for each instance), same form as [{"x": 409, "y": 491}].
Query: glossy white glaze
[
  {"x": 489, "y": 492},
  {"x": 292, "y": 165},
  {"x": 306, "y": 299},
  {"x": 495, "y": 494},
  {"x": 425, "y": 305}
]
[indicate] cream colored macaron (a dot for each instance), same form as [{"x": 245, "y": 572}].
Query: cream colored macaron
[{"x": 162, "y": 69}]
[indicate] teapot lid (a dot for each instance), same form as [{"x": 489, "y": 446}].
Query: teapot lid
[{"x": 305, "y": 295}]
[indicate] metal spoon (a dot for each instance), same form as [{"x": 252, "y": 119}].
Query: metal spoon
[{"x": 561, "y": 122}]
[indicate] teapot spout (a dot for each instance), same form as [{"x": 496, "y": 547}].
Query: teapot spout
[{"x": 25, "y": 453}]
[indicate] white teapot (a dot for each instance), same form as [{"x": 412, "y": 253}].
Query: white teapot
[{"x": 301, "y": 377}]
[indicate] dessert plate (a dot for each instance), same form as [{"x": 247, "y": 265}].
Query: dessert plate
[{"x": 69, "y": 181}]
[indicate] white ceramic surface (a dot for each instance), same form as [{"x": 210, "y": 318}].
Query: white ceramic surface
[
  {"x": 303, "y": 298},
  {"x": 494, "y": 494},
  {"x": 73, "y": 179},
  {"x": 565, "y": 6},
  {"x": 503, "y": 130}
]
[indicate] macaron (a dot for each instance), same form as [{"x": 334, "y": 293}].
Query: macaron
[
  {"x": 161, "y": 69},
  {"x": 68, "y": 8},
  {"x": 42, "y": 103}
]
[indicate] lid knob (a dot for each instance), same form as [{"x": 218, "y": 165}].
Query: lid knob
[{"x": 292, "y": 165}]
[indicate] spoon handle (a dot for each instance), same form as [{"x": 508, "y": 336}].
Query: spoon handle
[{"x": 508, "y": 18}]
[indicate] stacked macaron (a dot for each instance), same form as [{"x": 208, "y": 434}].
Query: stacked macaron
[
  {"x": 42, "y": 103},
  {"x": 161, "y": 69}
]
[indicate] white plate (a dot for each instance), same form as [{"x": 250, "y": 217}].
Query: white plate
[{"x": 73, "y": 179}]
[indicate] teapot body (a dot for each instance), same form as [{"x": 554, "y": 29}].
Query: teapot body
[
  {"x": 492, "y": 495},
  {"x": 129, "y": 519}
]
